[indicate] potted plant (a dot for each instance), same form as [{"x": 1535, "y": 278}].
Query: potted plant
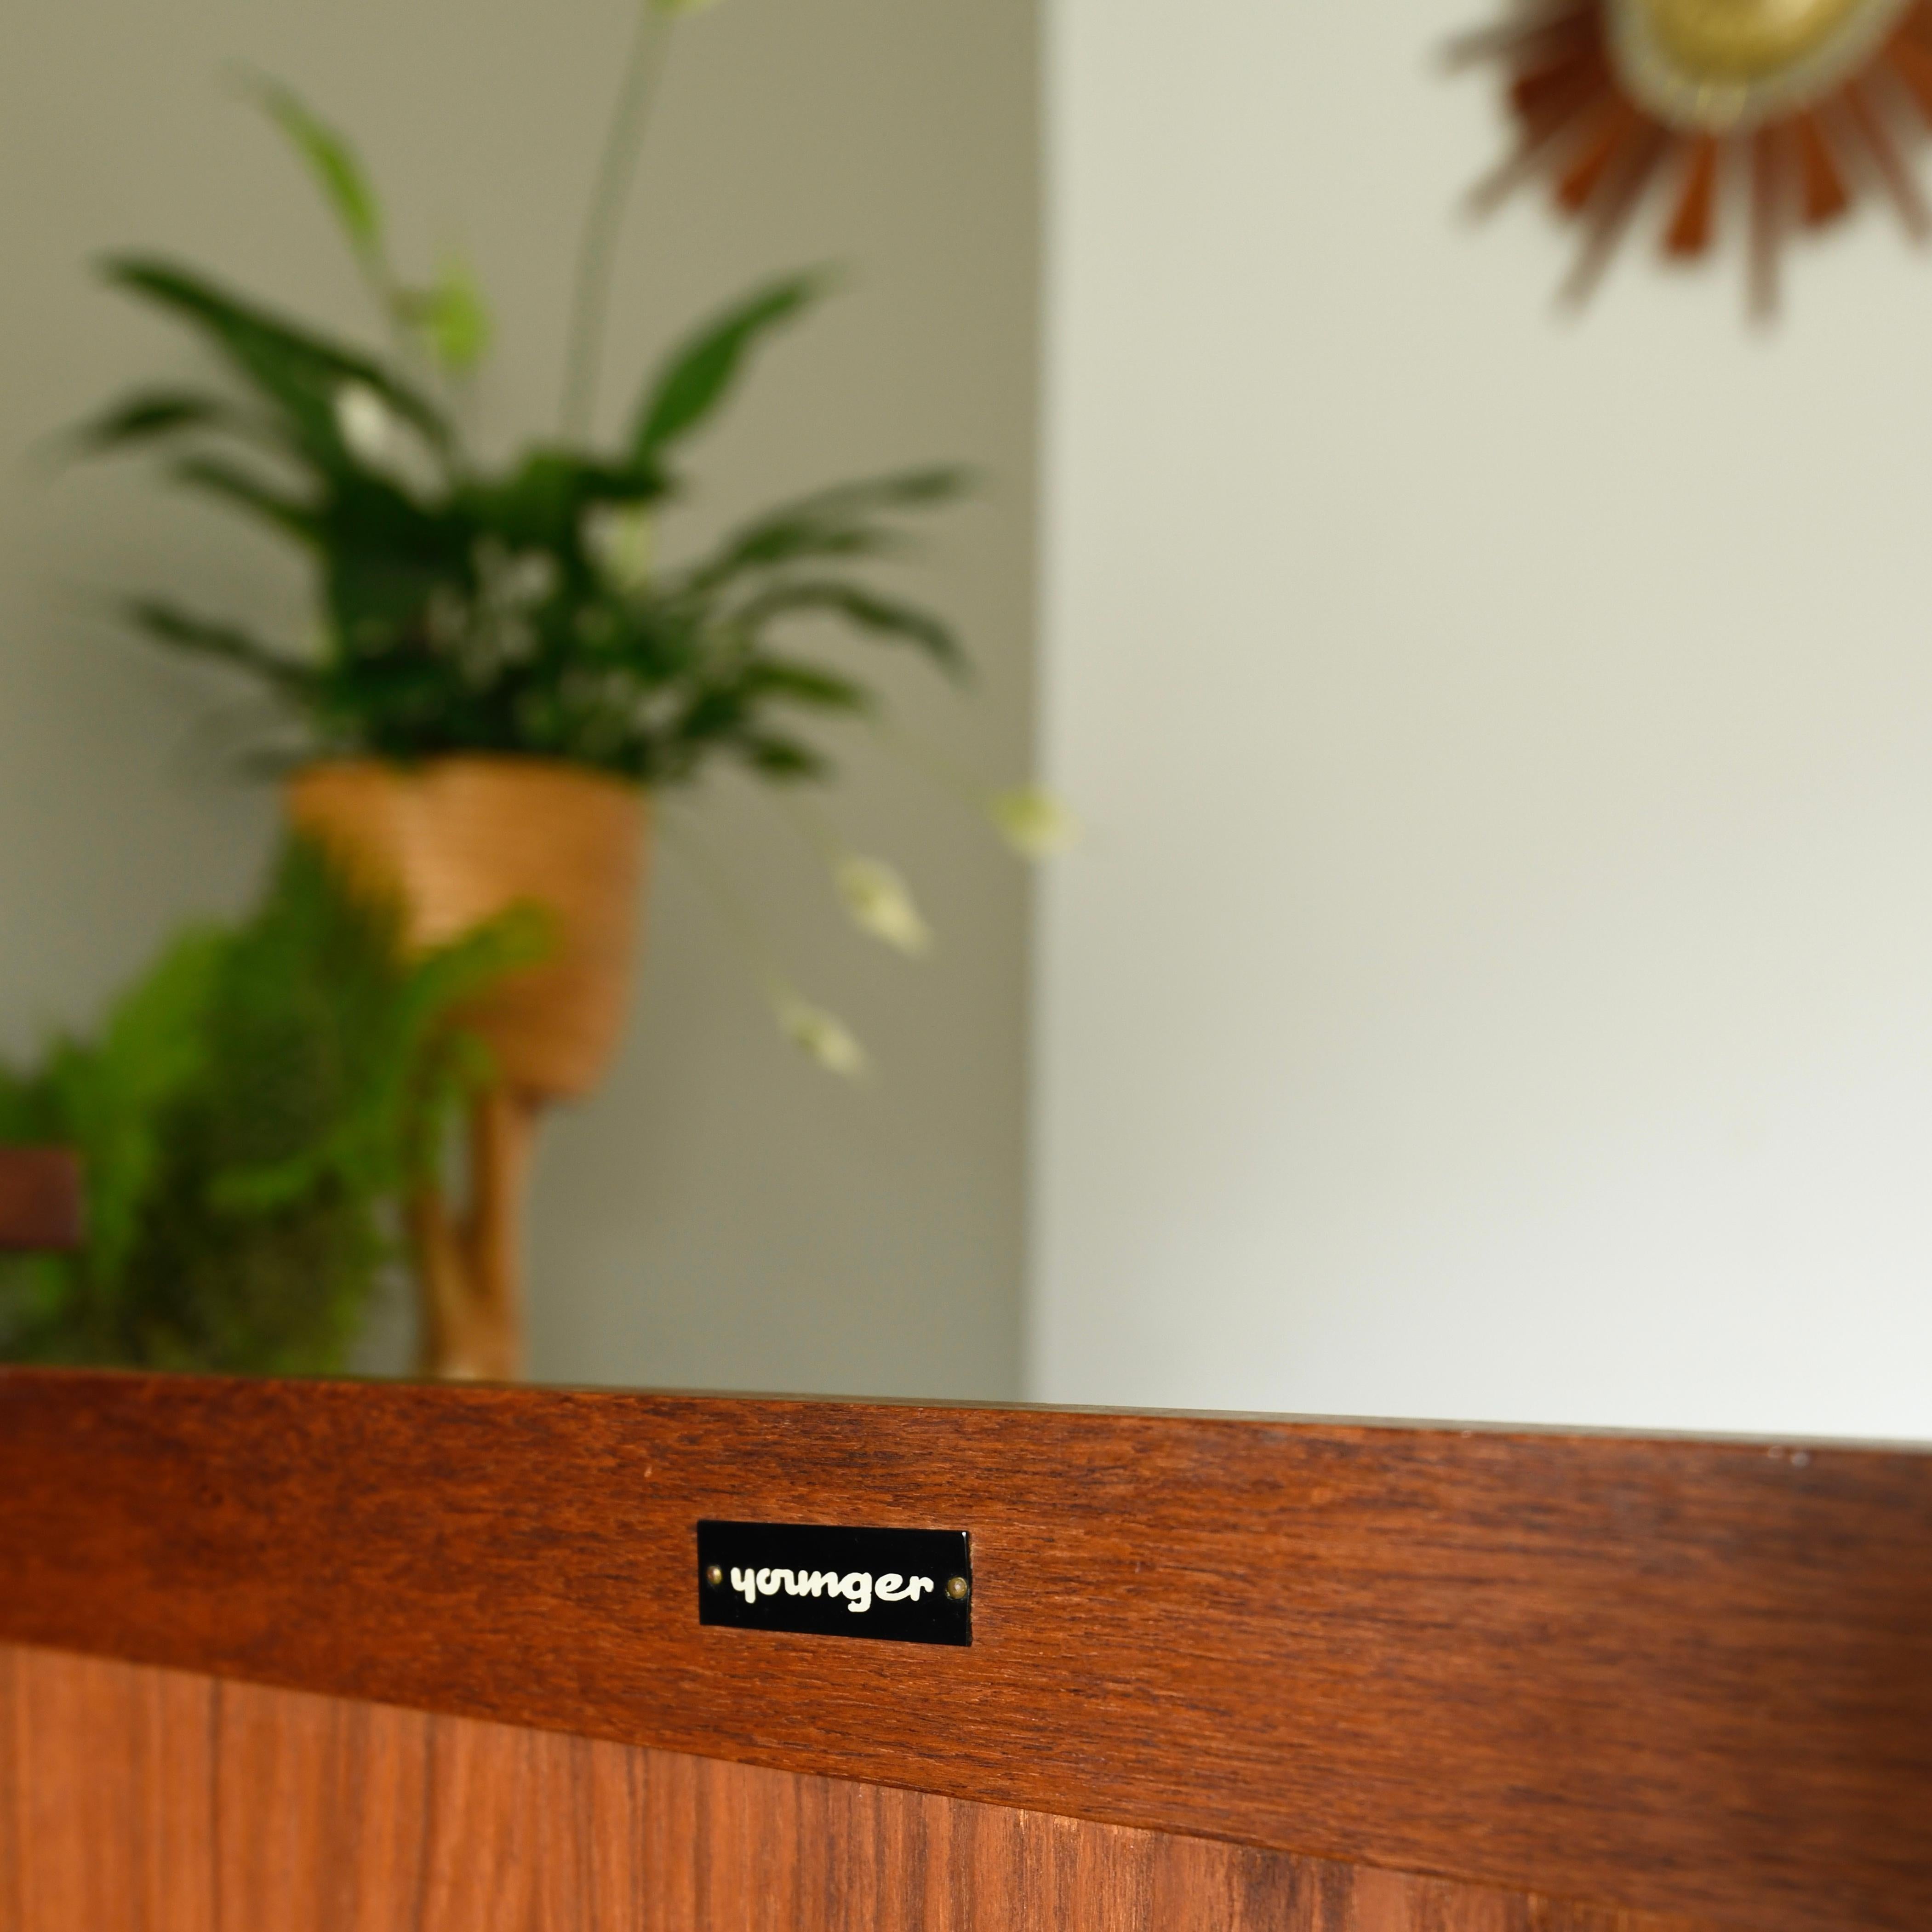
[{"x": 504, "y": 675}]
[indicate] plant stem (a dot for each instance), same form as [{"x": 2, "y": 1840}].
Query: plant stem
[{"x": 596, "y": 254}]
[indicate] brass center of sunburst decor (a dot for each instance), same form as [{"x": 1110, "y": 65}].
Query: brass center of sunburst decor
[
  {"x": 1717, "y": 64},
  {"x": 1721, "y": 40}
]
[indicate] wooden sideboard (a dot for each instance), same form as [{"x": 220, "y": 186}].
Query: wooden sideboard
[{"x": 377, "y": 1656}]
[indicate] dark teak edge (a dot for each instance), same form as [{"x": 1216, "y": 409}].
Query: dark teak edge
[{"x": 1691, "y": 1677}]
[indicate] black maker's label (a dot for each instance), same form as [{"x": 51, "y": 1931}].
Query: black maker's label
[{"x": 906, "y": 1585}]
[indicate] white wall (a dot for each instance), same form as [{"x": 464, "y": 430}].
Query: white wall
[
  {"x": 721, "y": 1213},
  {"x": 1499, "y": 984}
]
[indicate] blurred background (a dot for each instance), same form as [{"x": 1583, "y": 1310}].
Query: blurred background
[
  {"x": 721, "y": 1212},
  {"x": 1495, "y": 983}
]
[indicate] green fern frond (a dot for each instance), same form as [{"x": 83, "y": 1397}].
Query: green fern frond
[{"x": 248, "y": 1118}]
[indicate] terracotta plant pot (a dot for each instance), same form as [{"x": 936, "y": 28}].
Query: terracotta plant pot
[
  {"x": 458, "y": 841},
  {"x": 462, "y": 839}
]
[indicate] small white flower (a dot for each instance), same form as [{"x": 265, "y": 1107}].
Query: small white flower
[
  {"x": 822, "y": 1035},
  {"x": 384, "y": 442},
  {"x": 1032, "y": 821},
  {"x": 528, "y": 578},
  {"x": 877, "y": 898},
  {"x": 509, "y": 582},
  {"x": 617, "y": 537},
  {"x": 368, "y": 427}
]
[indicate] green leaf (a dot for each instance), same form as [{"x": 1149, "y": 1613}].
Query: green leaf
[
  {"x": 717, "y": 711},
  {"x": 768, "y": 545},
  {"x": 898, "y": 489},
  {"x": 882, "y": 616},
  {"x": 113, "y": 1096},
  {"x": 299, "y": 370},
  {"x": 699, "y": 373},
  {"x": 804, "y": 684},
  {"x": 169, "y": 625},
  {"x": 414, "y": 1069},
  {"x": 151, "y": 414},
  {"x": 542, "y": 501},
  {"x": 782, "y": 758},
  {"x": 830, "y": 523},
  {"x": 217, "y": 477},
  {"x": 23, "y": 1111},
  {"x": 452, "y": 1064},
  {"x": 338, "y": 171}
]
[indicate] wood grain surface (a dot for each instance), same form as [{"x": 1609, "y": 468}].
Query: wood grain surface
[
  {"x": 139, "y": 1800},
  {"x": 1689, "y": 1677},
  {"x": 40, "y": 1198}
]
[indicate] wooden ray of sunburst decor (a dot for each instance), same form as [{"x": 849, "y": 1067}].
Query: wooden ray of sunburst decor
[{"x": 1800, "y": 106}]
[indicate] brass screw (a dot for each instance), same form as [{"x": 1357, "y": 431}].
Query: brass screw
[
  {"x": 714, "y": 1576},
  {"x": 958, "y": 1589}
]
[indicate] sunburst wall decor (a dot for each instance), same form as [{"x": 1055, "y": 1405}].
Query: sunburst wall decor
[{"x": 1787, "y": 109}]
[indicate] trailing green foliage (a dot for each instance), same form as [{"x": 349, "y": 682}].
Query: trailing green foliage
[
  {"x": 517, "y": 611},
  {"x": 246, "y": 1119}
]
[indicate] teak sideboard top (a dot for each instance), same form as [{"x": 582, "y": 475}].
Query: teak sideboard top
[{"x": 1688, "y": 1677}]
